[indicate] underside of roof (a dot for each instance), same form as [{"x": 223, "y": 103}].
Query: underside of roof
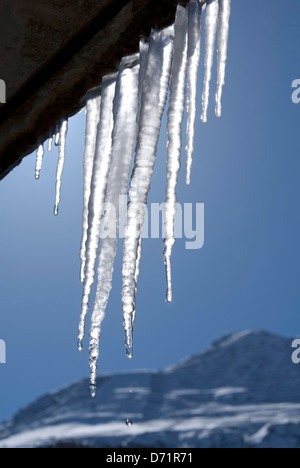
[{"x": 53, "y": 51}]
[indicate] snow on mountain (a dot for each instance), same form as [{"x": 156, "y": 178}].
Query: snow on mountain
[{"x": 242, "y": 392}]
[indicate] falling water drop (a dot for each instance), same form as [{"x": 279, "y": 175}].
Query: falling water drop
[{"x": 129, "y": 423}]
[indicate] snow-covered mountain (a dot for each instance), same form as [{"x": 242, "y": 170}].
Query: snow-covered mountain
[{"x": 242, "y": 392}]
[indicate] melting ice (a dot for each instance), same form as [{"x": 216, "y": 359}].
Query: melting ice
[
  {"x": 61, "y": 141},
  {"x": 124, "y": 113}
]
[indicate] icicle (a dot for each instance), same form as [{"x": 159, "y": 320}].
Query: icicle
[
  {"x": 194, "y": 50},
  {"x": 124, "y": 134},
  {"x": 154, "y": 95},
  {"x": 175, "y": 119},
  {"x": 211, "y": 25},
  {"x": 97, "y": 197},
  {"x": 224, "y": 17},
  {"x": 144, "y": 49},
  {"x": 57, "y": 136},
  {"x": 39, "y": 161},
  {"x": 61, "y": 162},
  {"x": 137, "y": 274},
  {"x": 50, "y": 144},
  {"x": 92, "y": 120}
]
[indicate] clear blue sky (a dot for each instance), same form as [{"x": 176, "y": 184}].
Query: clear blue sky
[{"x": 246, "y": 171}]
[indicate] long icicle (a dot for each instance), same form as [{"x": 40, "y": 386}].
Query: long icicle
[
  {"x": 175, "y": 119},
  {"x": 154, "y": 95},
  {"x": 61, "y": 162},
  {"x": 92, "y": 119},
  {"x": 39, "y": 161},
  {"x": 124, "y": 134},
  {"x": 97, "y": 196},
  {"x": 194, "y": 52},
  {"x": 211, "y": 25},
  {"x": 144, "y": 50},
  {"x": 224, "y": 18}
]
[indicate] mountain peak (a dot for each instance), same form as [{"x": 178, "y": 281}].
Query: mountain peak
[{"x": 239, "y": 392}]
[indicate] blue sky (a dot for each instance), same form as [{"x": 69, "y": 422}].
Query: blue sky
[{"x": 246, "y": 171}]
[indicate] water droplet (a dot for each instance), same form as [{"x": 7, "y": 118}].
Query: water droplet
[
  {"x": 129, "y": 423},
  {"x": 56, "y": 210},
  {"x": 80, "y": 344}
]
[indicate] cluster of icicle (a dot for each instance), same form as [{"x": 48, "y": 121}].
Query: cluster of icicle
[
  {"x": 60, "y": 140},
  {"x": 127, "y": 114}
]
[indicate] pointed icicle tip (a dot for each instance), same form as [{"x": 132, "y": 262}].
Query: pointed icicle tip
[
  {"x": 80, "y": 344},
  {"x": 93, "y": 390},
  {"x": 82, "y": 273},
  {"x": 129, "y": 350},
  {"x": 169, "y": 296},
  {"x": 129, "y": 346}
]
